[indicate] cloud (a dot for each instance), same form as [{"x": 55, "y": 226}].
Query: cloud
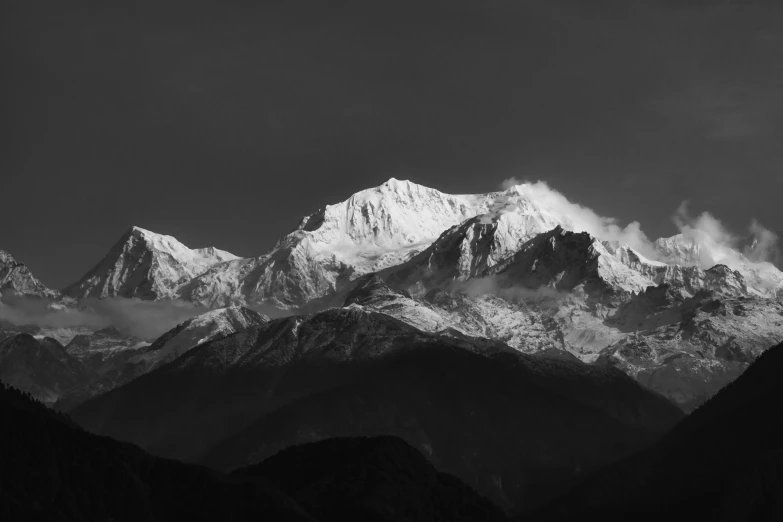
[
  {"x": 716, "y": 244},
  {"x": 764, "y": 246},
  {"x": 144, "y": 319},
  {"x": 512, "y": 182},
  {"x": 582, "y": 219},
  {"x": 543, "y": 296}
]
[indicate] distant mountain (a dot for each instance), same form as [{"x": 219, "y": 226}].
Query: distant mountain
[
  {"x": 208, "y": 326},
  {"x": 42, "y": 367},
  {"x": 16, "y": 277},
  {"x": 466, "y": 403},
  {"x": 722, "y": 462},
  {"x": 145, "y": 265}
]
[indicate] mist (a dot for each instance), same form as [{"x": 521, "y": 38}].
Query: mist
[
  {"x": 582, "y": 218},
  {"x": 717, "y": 244},
  {"x": 147, "y": 320},
  {"x": 480, "y": 286}
]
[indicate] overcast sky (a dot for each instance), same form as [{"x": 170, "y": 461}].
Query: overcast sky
[{"x": 224, "y": 124}]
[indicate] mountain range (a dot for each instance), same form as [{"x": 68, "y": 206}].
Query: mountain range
[
  {"x": 520, "y": 266},
  {"x": 509, "y": 346}
]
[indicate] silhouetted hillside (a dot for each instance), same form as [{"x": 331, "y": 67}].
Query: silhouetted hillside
[
  {"x": 51, "y": 470},
  {"x": 723, "y": 462},
  {"x": 371, "y": 479}
]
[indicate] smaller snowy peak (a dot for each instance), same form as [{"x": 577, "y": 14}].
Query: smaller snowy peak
[
  {"x": 146, "y": 265},
  {"x": 722, "y": 280},
  {"x": 211, "y": 325},
  {"x": 368, "y": 288},
  {"x": 678, "y": 250},
  {"x": 200, "y": 257},
  {"x": 16, "y": 277},
  {"x": 373, "y": 294}
]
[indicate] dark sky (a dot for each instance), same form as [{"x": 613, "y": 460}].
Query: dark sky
[{"x": 224, "y": 124}]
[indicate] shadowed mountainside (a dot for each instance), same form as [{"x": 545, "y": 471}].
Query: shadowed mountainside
[
  {"x": 723, "y": 462},
  {"x": 53, "y": 471},
  {"x": 511, "y": 425}
]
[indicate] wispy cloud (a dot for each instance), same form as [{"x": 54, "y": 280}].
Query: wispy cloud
[{"x": 144, "y": 319}]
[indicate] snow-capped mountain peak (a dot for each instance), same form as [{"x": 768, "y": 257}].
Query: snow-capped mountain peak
[
  {"x": 395, "y": 215},
  {"x": 146, "y": 265}
]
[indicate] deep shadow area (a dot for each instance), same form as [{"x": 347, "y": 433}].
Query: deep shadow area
[
  {"x": 723, "y": 462},
  {"x": 52, "y": 470}
]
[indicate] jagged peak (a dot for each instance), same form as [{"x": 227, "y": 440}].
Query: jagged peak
[
  {"x": 141, "y": 231},
  {"x": 6, "y": 257}
]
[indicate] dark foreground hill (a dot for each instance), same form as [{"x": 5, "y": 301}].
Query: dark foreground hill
[
  {"x": 51, "y": 470},
  {"x": 369, "y": 479},
  {"x": 723, "y": 462}
]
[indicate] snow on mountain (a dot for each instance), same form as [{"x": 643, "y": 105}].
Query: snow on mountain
[
  {"x": 377, "y": 229},
  {"x": 678, "y": 250},
  {"x": 16, "y": 277},
  {"x": 145, "y": 265},
  {"x": 99, "y": 350},
  {"x": 372, "y": 293},
  {"x": 397, "y": 224},
  {"x": 373, "y": 229},
  {"x": 211, "y": 325},
  {"x": 689, "y": 348}
]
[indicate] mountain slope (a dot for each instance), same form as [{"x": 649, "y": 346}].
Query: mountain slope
[
  {"x": 16, "y": 277},
  {"x": 376, "y": 229},
  {"x": 723, "y": 462},
  {"x": 42, "y": 368},
  {"x": 375, "y": 365},
  {"x": 145, "y": 265},
  {"x": 116, "y": 367},
  {"x": 493, "y": 422},
  {"x": 53, "y": 471}
]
